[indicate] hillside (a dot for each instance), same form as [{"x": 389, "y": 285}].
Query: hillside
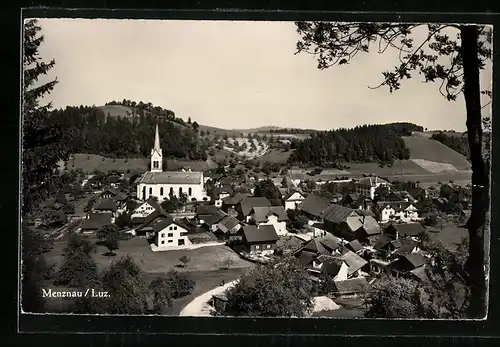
[
  {"x": 117, "y": 111},
  {"x": 429, "y": 153}
]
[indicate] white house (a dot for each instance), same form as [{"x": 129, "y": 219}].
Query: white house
[
  {"x": 367, "y": 186},
  {"x": 146, "y": 208},
  {"x": 169, "y": 234},
  {"x": 293, "y": 200},
  {"x": 270, "y": 215},
  {"x": 162, "y": 184},
  {"x": 399, "y": 210}
]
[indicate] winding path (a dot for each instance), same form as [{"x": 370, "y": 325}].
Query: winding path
[{"x": 199, "y": 305}]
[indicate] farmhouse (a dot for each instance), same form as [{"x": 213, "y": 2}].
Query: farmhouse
[
  {"x": 228, "y": 228},
  {"x": 247, "y": 204},
  {"x": 403, "y": 230},
  {"x": 107, "y": 206},
  {"x": 397, "y": 210},
  {"x": 262, "y": 240},
  {"x": 314, "y": 206},
  {"x": 146, "y": 208},
  {"x": 367, "y": 186},
  {"x": 270, "y": 215},
  {"x": 162, "y": 184},
  {"x": 293, "y": 199},
  {"x": 95, "y": 221},
  {"x": 166, "y": 232}
]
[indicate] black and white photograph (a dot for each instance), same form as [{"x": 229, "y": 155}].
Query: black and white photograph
[{"x": 216, "y": 168}]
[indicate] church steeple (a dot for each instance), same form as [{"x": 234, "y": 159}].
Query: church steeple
[{"x": 156, "y": 153}]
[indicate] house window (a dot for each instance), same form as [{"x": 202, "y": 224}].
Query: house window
[
  {"x": 170, "y": 234},
  {"x": 175, "y": 228},
  {"x": 163, "y": 242},
  {"x": 180, "y": 242},
  {"x": 150, "y": 190},
  {"x": 162, "y": 234},
  {"x": 170, "y": 241},
  {"x": 161, "y": 191},
  {"x": 190, "y": 191},
  {"x": 180, "y": 191},
  {"x": 257, "y": 247},
  {"x": 171, "y": 191},
  {"x": 155, "y": 165},
  {"x": 268, "y": 246},
  {"x": 170, "y": 228}
]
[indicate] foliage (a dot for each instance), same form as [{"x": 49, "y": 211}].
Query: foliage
[
  {"x": 94, "y": 132},
  {"x": 172, "y": 204},
  {"x": 184, "y": 260},
  {"x": 78, "y": 269},
  {"x": 267, "y": 189},
  {"x": 363, "y": 143},
  {"x": 123, "y": 220},
  {"x": 296, "y": 219},
  {"x": 179, "y": 284},
  {"x": 159, "y": 291},
  {"x": 109, "y": 237},
  {"x": 276, "y": 289},
  {"x": 44, "y": 139},
  {"x": 126, "y": 286}
]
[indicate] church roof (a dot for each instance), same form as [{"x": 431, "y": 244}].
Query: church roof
[{"x": 171, "y": 177}]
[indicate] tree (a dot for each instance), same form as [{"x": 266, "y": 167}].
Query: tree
[
  {"x": 195, "y": 127},
  {"x": 184, "y": 260},
  {"x": 127, "y": 291},
  {"x": 276, "y": 289},
  {"x": 179, "y": 284},
  {"x": 44, "y": 141},
  {"x": 123, "y": 220},
  {"x": 267, "y": 189},
  {"x": 109, "y": 237},
  {"x": 338, "y": 43},
  {"x": 159, "y": 292}
]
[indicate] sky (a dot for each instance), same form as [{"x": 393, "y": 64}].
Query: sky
[{"x": 233, "y": 74}]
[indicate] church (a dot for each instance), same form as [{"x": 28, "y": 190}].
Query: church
[{"x": 162, "y": 184}]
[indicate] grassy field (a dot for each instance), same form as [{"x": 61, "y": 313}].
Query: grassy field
[
  {"x": 400, "y": 167},
  {"x": 451, "y": 236},
  {"x": 116, "y": 110},
  {"x": 275, "y": 156},
  {"x": 434, "y": 151}
]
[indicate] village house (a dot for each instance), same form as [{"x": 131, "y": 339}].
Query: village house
[
  {"x": 95, "y": 222},
  {"x": 313, "y": 206},
  {"x": 219, "y": 193},
  {"x": 351, "y": 287},
  {"x": 401, "y": 196},
  {"x": 116, "y": 195},
  {"x": 146, "y": 208},
  {"x": 357, "y": 201},
  {"x": 404, "y": 230},
  {"x": 228, "y": 229},
  {"x": 209, "y": 215},
  {"x": 142, "y": 229},
  {"x": 340, "y": 267},
  {"x": 262, "y": 240},
  {"x": 404, "y": 265},
  {"x": 230, "y": 203},
  {"x": 292, "y": 199},
  {"x": 164, "y": 230},
  {"x": 396, "y": 210},
  {"x": 308, "y": 253},
  {"x": 368, "y": 185},
  {"x": 419, "y": 194},
  {"x": 162, "y": 184},
  {"x": 247, "y": 204},
  {"x": 270, "y": 215},
  {"x": 107, "y": 206}
]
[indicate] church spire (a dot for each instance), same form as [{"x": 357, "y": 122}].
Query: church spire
[{"x": 157, "y": 140}]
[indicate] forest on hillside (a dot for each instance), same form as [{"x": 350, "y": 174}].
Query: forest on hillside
[
  {"x": 96, "y": 133},
  {"x": 459, "y": 144},
  {"x": 367, "y": 143}
]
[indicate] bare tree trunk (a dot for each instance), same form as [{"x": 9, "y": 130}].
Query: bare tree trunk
[{"x": 476, "y": 223}]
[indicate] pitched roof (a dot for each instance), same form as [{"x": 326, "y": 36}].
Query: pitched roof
[
  {"x": 329, "y": 242},
  {"x": 96, "y": 221},
  {"x": 266, "y": 233},
  {"x": 161, "y": 223},
  {"x": 372, "y": 181},
  {"x": 153, "y": 203},
  {"x": 207, "y": 209},
  {"x": 416, "y": 259},
  {"x": 370, "y": 225},
  {"x": 314, "y": 246},
  {"x": 172, "y": 177},
  {"x": 155, "y": 215},
  {"x": 233, "y": 200},
  {"x": 407, "y": 229},
  {"x": 355, "y": 246},
  {"x": 353, "y": 261},
  {"x": 306, "y": 258},
  {"x": 337, "y": 213},
  {"x": 398, "y": 206},
  {"x": 331, "y": 265},
  {"x": 354, "y": 223},
  {"x": 382, "y": 241},
  {"x": 214, "y": 218},
  {"x": 406, "y": 247},
  {"x": 291, "y": 191},
  {"x": 354, "y": 285},
  {"x": 250, "y": 202},
  {"x": 314, "y": 204},
  {"x": 227, "y": 223},
  {"x": 262, "y": 213},
  {"x": 420, "y": 273},
  {"x": 106, "y": 204},
  {"x": 365, "y": 213}
]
